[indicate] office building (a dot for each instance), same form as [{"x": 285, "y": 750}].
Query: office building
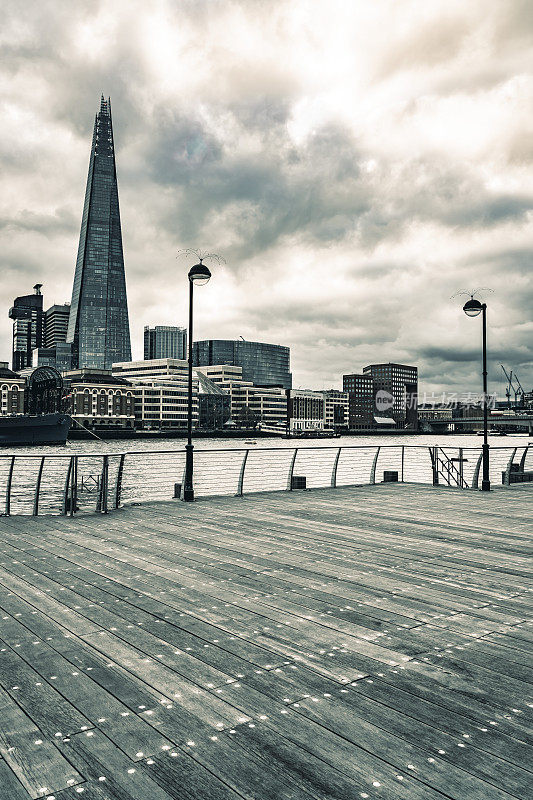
[
  {"x": 165, "y": 341},
  {"x": 214, "y": 403},
  {"x": 56, "y": 324},
  {"x": 336, "y": 409},
  {"x": 250, "y": 405},
  {"x": 59, "y": 356},
  {"x": 160, "y": 388},
  {"x": 360, "y": 389},
  {"x": 98, "y": 326},
  {"x": 262, "y": 364},
  {"x": 162, "y": 403},
  {"x": 28, "y": 327},
  {"x": 395, "y": 392},
  {"x": 153, "y": 368}
]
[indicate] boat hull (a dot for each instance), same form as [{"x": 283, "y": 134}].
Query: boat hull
[{"x": 27, "y": 430}]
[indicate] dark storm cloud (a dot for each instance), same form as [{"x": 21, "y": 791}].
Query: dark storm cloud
[
  {"x": 470, "y": 354},
  {"x": 313, "y": 191}
]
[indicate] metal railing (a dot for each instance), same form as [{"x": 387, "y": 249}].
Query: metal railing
[{"x": 68, "y": 484}]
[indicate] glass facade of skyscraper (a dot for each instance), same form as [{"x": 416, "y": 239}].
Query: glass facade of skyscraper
[
  {"x": 98, "y": 324},
  {"x": 165, "y": 341},
  {"x": 263, "y": 364}
]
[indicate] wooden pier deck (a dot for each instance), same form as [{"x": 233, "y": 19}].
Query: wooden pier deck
[{"x": 368, "y": 642}]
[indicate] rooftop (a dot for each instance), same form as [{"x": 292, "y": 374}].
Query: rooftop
[{"x": 351, "y": 643}]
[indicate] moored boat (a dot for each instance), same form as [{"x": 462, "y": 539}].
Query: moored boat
[{"x": 34, "y": 429}]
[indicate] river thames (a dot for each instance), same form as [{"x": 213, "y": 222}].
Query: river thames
[{"x": 94, "y": 446}]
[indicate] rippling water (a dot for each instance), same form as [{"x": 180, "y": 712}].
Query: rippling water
[{"x": 92, "y": 446}]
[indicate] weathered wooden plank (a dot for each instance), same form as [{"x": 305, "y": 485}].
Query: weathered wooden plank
[
  {"x": 103, "y": 763},
  {"x": 10, "y": 787},
  {"x": 438, "y": 773},
  {"x": 481, "y": 734},
  {"x": 40, "y": 701},
  {"x": 35, "y": 760}
]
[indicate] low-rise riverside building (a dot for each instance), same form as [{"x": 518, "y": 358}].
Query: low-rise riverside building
[
  {"x": 96, "y": 398},
  {"x": 336, "y": 409},
  {"x": 435, "y": 412},
  {"x": 313, "y": 410},
  {"x": 12, "y": 390},
  {"x": 305, "y": 410}
]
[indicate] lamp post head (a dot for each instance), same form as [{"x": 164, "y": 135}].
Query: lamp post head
[
  {"x": 472, "y": 308},
  {"x": 199, "y": 274}
]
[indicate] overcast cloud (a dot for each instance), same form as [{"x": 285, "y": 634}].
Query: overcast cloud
[{"x": 355, "y": 162}]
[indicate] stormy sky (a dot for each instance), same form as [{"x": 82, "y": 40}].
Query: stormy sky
[{"x": 356, "y": 163}]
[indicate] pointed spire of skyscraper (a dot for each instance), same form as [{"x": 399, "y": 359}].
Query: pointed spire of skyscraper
[{"x": 98, "y": 324}]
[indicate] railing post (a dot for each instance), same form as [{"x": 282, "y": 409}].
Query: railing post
[
  {"x": 101, "y": 505},
  {"x": 118, "y": 485},
  {"x": 434, "y": 465},
  {"x": 506, "y": 479},
  {"x": 374, "y": 465},
  {"x": 291, "y": 469},
  {"x": 403, "y": 456},
  {"x": 8, "y": 486},
  {"x": 475, "y": 476},
  {"x": 461, "y": 467},
  {"x": 241, "y": 474},
  {"x": 334, "y": 471},
  {"x": 523, "y": 459},
  {"x": 68, "y": 487},
  {"x": 38, "y": 488},
  {"x": 74, "y": 488}
]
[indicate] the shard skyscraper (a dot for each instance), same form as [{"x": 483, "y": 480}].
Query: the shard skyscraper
[{"x": 98, "y": 324}]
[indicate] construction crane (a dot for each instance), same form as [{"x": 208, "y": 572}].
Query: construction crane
[
  {"x": 517, "y": 389},
  {"x": 509, "y": 384}
]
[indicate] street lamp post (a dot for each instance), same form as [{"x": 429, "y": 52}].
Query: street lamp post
[
  {"x": 473, "y": 308},
  {"x": 200, "y": 275}
]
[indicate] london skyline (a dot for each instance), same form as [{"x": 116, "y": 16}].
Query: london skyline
[{"x": 350, "y": 199}]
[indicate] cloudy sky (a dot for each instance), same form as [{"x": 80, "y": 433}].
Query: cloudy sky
[{"x": 355, "y": 162}]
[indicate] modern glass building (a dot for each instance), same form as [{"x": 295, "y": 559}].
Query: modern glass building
[
  {"x": 28, "y": 327},
  {"x": 98, "y": 325},
  {"x": 263, "y": 364},
  {"x": 165, "y": 341}
]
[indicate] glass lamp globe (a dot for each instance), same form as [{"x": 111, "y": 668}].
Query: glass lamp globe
[
  {"x": 472, "y": 308},
  {"x": 199, "y": 274}
]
